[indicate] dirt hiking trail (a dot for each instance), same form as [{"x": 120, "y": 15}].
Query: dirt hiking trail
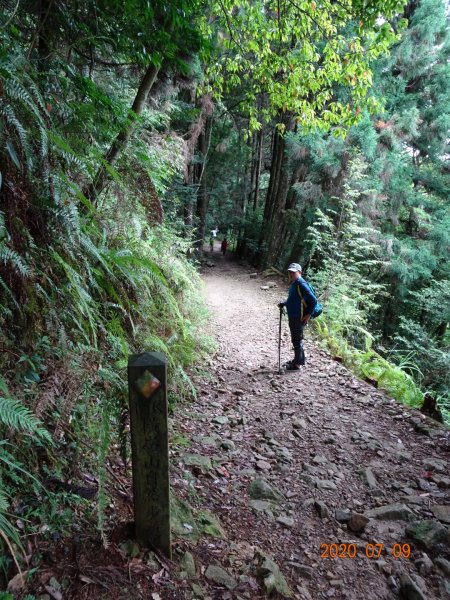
[{"x": 324, "y": 486}]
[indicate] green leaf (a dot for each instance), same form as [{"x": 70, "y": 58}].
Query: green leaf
[{"x": 12, "y": 153}]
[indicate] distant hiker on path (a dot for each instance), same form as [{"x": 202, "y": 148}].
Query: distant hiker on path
[
  {"x": 211, "y": 243},
  {"x": 224, "y": 246},
  {"x": 299, "y": 305}
]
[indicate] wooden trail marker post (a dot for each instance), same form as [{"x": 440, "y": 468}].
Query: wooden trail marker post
[{"x": 147, "y": 377}]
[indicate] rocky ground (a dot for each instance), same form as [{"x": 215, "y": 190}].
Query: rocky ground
[
  {"x": 324, "y": 486},
  {"x": 309, "y": 484}
]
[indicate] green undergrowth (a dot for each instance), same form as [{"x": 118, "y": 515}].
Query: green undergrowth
[
  {"x": 84, "y": 283},
  {"x": 370, "y": 365},
  {"x": 110, "y": 295}
]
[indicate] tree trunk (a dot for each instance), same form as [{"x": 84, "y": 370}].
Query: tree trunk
[
  {"x": 255, "y": 169},
  {"x": 188, "y": 208},
  {"x": 252, "y": 197},
  {"x": 123, "y": 137},
  {"x": 204, "y": 140},
  {"x": 277, "y": 192}
]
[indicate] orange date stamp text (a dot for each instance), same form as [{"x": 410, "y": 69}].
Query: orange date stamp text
[{"x": 370, "y": 551}]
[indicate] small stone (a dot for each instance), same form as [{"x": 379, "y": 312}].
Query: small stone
[
  {"x": 444, "y": 587},
  {"x": 198, "y": 590},
  {"x": 260, "y": 489},
  {"x": 369, "y": 478},
  {"x": 391, "y": 512},
  {"x": 319, "y": 459},
  {"x": 443, "y": 564},
  {"x": 422, "y": 428},
  {"x": 329, "y": 440},
  {"x": 409, "y": 589},
  {"x": 273, "y": 578},
  {"x": 260, "y": 505},
  {"x": 301, "y": 569},
  {"x": 441, "y": 481},
  {"x": 326, "y": 484},
  {"x": 426, "y": 485},
  {"x": 403, "y": 456},
  {"x": 303, "y": 593},
  {"x": 428, "y": 533},
  {"x": 435, "y": 464},
  {"x": 393, "y": 584},
  {"x": 307, "y": 503},
  {"x": 442, "y": 512},
  {"x": 414, "y": 499},
  {"x": 227, "y": 445},
  {"x": 424, "y": 564},
  {"x": 383, "y": 566},
  {"x": 187, "y": 564},
  {"x": 209, "y": 524},
  {"x": 342, "y": 516},
  {"x": 220, "y": 576},
  {"x": 263, "y": 465},
  {"x": 196, "y": 460},
  {"x": 221, "y": 420},
  {"x": 286, "y": 521},
  {"x": 357, "y": 523},
  {"x": 322, "y": 509},
  {"x": 299, "y": 424}
]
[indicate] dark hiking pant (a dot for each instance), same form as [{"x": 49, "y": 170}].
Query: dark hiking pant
[{"x": 296, "y": 327}]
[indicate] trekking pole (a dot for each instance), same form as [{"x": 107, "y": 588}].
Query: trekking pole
[{"x": 279, "y": 341}]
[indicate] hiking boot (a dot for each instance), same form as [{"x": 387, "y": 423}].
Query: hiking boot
[{"x": 292, "y": 366}]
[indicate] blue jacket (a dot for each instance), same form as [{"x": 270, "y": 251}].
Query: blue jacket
[{"x": 300, "y": 301}]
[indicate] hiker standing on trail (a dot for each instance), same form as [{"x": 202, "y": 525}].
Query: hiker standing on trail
[
  {"x": 211, "y": 243},
  {"x": 299, "y": 305},
  {"x": 224, "y": 246}
]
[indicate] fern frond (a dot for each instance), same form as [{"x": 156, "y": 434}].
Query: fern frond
[
  {"x": 66, "y": 150},
  {"x": 15, "y": 415},
  {"x": 3, "y": 308},
  {"x": 10, "y": 116},
  {"x": 14, "y": 260},
  {"x": 11, "y": 462},
  {"x": 83, "y": 302}
]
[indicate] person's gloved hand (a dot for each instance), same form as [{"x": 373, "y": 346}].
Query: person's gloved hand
[{"x": 281, "y": 304}]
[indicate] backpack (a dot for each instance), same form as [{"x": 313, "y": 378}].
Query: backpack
[{"x": 318, "y": 309}]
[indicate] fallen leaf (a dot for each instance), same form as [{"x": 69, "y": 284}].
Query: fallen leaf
[
  {"x": 55, "y": 594},
  {"x": 17, "y": 582},
  {"x": 85, "y": 579}
]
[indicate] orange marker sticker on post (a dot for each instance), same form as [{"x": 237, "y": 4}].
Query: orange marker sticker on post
[{"x": 147, "y": 384}]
